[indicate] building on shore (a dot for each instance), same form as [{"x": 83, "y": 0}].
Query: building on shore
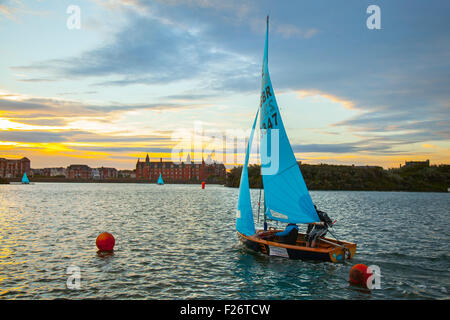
[
  {"x": 36, "y": 172},
  {"x": 55, "y": 172},
  {"x": 128, "y": 174},
  {"x": 95, "y": 174},
  {"x": 49, "y": 172},
  {"x": 178, "y": 172},
  {"x": 417, "y": 163},
  {"x": 79, "y": 171},
  {"x": 107, "y": 173},
  {"x": 11, "y": 168},
  {"x": 82, "y": 171}
]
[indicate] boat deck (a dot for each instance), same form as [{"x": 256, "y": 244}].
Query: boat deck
[
  {"x": 301, "y": 241},
  {"x": 326, "y": 249}
]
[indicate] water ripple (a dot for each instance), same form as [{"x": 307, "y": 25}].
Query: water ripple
[{"x": 179, "y": 242}]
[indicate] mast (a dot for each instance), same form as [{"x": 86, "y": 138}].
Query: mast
[
  {"x": 266, "y": 60},
  {"x": 267, "y": 39}
]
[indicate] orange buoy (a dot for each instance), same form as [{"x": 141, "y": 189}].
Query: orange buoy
[
  {"x": 105, "y": 241},
  {"x": 203, "y": 184},
  {"x": 359, "y": 274}
]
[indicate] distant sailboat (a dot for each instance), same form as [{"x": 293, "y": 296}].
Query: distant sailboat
[
  {"x": 160, "y": 180},
  {"x": 25, "y": 179},
  {"x": 286, "y": 197}
]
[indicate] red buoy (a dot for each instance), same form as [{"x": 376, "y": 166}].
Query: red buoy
[
  {"x": 203, "y": 184},
  {"x": 359, "y": 274},
  {"x": 105, "y": 241}
]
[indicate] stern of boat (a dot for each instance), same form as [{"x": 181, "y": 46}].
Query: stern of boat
[{"x": 340, "y": 254}]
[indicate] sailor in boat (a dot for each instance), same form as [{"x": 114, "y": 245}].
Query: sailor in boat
[
  {"x": 318, "y": 229},
  {"x": 288, "y": 236}
]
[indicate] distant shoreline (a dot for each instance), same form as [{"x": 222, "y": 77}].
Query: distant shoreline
[
  {"x": 416, "y": 178},
  {"x": 121, "y": 180},
  {"x": 199, "y": 183},
  {"x": 134, "y": 181}
]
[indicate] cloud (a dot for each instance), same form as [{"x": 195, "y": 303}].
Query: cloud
[
  {"x": 309, "y": 93},
  {"x": 150, "y": 106},
  {"x": 189, "y": 96},
  {"x": 145, "y": 51},
  {"x": 16, "y": 106},
  {"x": 36, "y": 136},
  {"x": 125, "y": 149},
  {"x": 404, "y": 127},
  {"x": 97, "y": 138},
  {"x": 77, "y": 93},
  {"x": 9, "y": 7},
  {"x": 364, "y": 146},
  {"x": 50, "y": 122},
  {"x": 37, "y": 80},
  {"x": 289, "y": 31},
  {"x": 396, "y": 78},
  {"x": 324, "y": 148},
  {"x": 165, "y": 42}
]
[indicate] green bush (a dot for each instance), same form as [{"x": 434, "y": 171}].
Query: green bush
[{"x": 340, "y": 177}]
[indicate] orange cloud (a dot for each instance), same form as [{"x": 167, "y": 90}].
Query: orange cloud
[{"x": 301, "y": 94}]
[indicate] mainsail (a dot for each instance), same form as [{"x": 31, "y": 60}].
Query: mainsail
[
  {"x": 244, "y": 214},
  {"x": 286, "y": 196},
  {"x": 25, "y": 178},
  {"x": 160, "y": 180}
]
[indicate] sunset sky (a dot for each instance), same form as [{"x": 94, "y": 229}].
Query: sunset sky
[{"x": 139, "y": 76}]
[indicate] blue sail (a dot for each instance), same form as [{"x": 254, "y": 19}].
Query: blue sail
[
  {"x": 25, "y": 178},
  {"x": 160, "y": 180},
  {"x": 286, "y": 195},
  {"x": 244, "y": 214}
]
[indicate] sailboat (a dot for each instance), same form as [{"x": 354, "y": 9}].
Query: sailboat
[
  {"x": 286, "y": 197},
  {"x": 160, "y": 180},
  {"x": 25, "y": 179}
]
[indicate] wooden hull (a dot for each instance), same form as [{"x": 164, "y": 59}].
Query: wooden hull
[{"x": 336, "y": 252}]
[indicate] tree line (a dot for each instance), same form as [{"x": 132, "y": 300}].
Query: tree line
[{"x": 370, "y": 178}]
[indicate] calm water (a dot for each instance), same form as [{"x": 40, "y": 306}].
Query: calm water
[{"x": 178, "y": 242}]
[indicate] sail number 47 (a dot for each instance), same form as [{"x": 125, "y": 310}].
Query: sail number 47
[
  {"x": 266, "y": 95},
  {"x": 269, "y": 122}
]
